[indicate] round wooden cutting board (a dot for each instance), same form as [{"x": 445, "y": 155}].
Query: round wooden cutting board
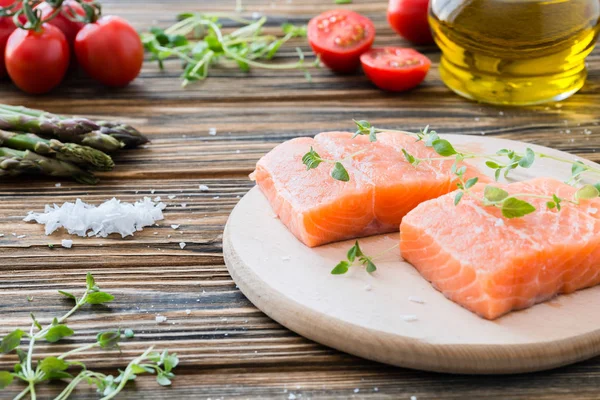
[{"x": 368, "y": 315}]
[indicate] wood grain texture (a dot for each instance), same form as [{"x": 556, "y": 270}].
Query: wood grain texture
[{"x": 229, "y": 349}]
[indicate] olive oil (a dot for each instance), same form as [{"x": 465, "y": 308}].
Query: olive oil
[{"x": 514, "y": 52}]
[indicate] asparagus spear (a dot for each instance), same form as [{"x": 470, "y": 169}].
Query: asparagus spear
[
  {"x": 100, "y": 141},
  {"x": 84, "y": 156},
  {"x": 16, "y": 118},
  {"x": 16, "y": 162},
  {"x": 123, "y": 132},
  {"x": 20, "y": 119}
]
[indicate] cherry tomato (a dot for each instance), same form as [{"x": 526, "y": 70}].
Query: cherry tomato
[
  {"x": 37, "y": 61},
  {"x": 409, "y": 19},
  {"x": 7, "y": 27},
  {"x": 110, "y": 51},
  {"x": 395, "y": 69},
  {"x": 62, "y": 20},
  {"x": 339, "y": 37}
]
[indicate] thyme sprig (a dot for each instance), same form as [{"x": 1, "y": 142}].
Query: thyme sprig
[
  {"x": 513, "y": 158},
  {"x": 199, "y": 42},
  {"x": 312, "y": 160},
  {"x": 356, "y": 256},
  {"x": 58, "y": 367}
]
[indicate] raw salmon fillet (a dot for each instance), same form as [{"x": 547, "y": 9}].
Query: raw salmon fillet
[
  {"x": 383, "y": 186},
  {"x": 492, "y": 265}
]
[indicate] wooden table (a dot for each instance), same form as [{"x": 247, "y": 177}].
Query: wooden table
[{"x": 228, "y": 348}]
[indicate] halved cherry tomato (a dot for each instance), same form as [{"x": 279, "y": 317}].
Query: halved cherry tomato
[
  {"x": 409, "y": 19},
  {"x": 62, "y": 21},
  {"x": 110, "y": 51},
  {"x": 395, "y": 69},
  {"x": 36, "y": 61},
  {"x": 7, "y": 27},
  {"x": 339, "y": 37}
]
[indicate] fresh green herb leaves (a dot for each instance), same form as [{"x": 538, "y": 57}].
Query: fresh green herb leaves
[
  {"x": 11, "y": 341},
  {"x": 353, "y": 255},
  {"x": 515, "y": 208},
  {"x": 494, "y": 194},
  {"x": 99, "y": 298},
  {"x": 312, "y": 160},
  {"x": 343, "y": 2},
  {"x": 514, "y": 161},
  {"x": 443, "y": 147},
  {"x": 57, "y": 332},
  {"x": 339, "y": 172},
  {"x": 6, "y": 379},
  {"x": 198, "y": 41},
  {"x": 586, "y": 192},
  {"x": 55, "y": 367},
  {"x": 554, "y": 203}
]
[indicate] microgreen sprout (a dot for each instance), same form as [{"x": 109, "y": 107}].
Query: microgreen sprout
[
  {"x": 198, "y": 40},
  {"x": 60, "y": 366}
]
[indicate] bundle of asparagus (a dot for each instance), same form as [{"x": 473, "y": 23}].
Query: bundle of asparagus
[{"x": 37, "y": 142}]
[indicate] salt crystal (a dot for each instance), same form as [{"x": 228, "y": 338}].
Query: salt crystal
[
  {"x": 476, "y": 119},
  {"x": 256, "y": 15},
  {"x": 416, "y": 299},
  {"x": 188, "y": 311},
  {"x": 409, "y": 318},
  {"x": 238, "y": 152},
  {"x": 568, "y": 131},
  {"x": 155, "y": 233},
  {"x": 204, "y": 188},
  {"x": 21, "y": 236},
  {"x": 58, "y": 185},
  {"x": 157, "y": 199},
  {"x": 183, "y": 205},
  {"x": 66, "y": 243},
  {"x": 174, "y": 226},
  {"x": 216, "y": 197},
  {"x": 1, "y": 234},
  {"x": 152, "y": 191},
  {"x": 212, "y": 131},
  {"x": 160, "y": 319},
  {"x": 501, "y": 113},
  {"x": 499, "y": 222},
  {"x": 171, "y": 196},
  {"x": 413, "y": 397},
  {"x": 376, "y": 389},
  {"x": 112, "y": 216},
  {"x": 168, "y": 236},
  {"x": 292, "y": 396},
  {"x": 356, "y": 390},
  {"x": 368, "y": 288},
  {"x": 286, "y": 258},
  {"x": 182, "y": 245},
  {"x": 592, "y": 210},
  {"x": 587, "y": 132},
  {"x": 14, "y": 234}
]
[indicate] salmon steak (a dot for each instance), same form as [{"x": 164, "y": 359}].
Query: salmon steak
[
  {"x": 382, "y": 187},
  {"x": 490, "y": 264}
]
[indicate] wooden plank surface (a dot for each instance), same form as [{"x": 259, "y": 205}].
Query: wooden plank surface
[{"x": 229, "y": 348}]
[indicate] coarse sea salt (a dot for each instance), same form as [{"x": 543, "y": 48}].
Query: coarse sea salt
[
  {"x": 204, "y": 188},
  {"x": 112, "y": 216},
  {"x": 416, "y": 299},
  {"x": 66, "y": 243},
  {"x": 409, "y": 318}
]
